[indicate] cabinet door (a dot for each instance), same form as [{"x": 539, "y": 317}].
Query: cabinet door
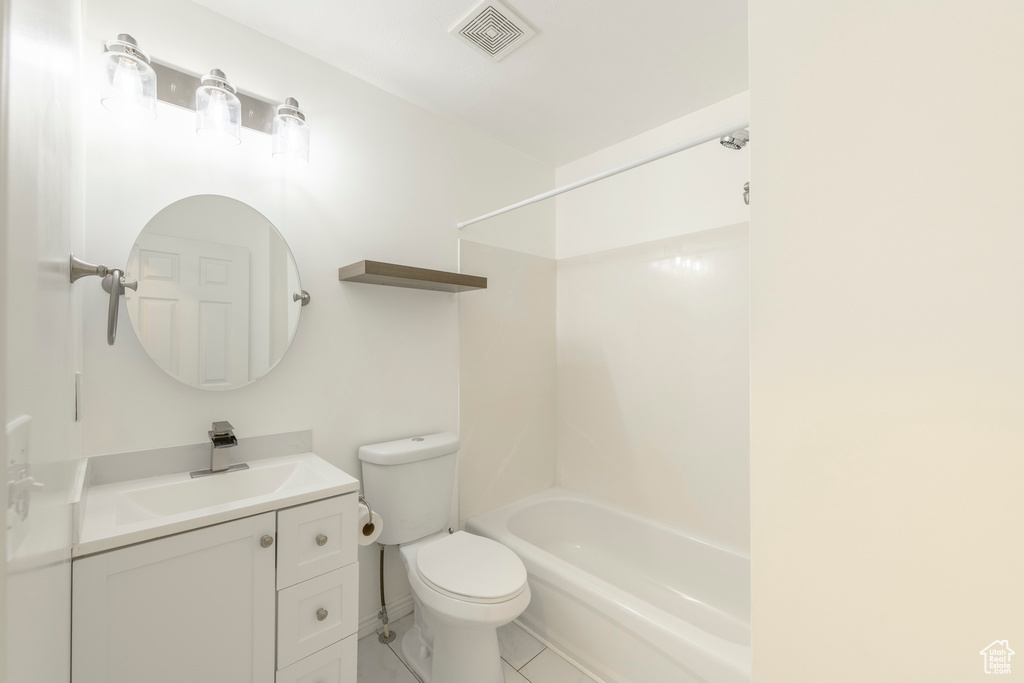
[{"x": 198, "y": 606}]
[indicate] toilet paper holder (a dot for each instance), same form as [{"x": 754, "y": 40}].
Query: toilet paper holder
[{"x": 369, "y": 526}]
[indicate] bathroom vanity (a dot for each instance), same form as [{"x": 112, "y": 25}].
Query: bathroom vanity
[{"x": 237, "y": 577}]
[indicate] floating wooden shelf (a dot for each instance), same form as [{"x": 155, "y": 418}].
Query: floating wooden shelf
[{"x": 377, "y": 273}]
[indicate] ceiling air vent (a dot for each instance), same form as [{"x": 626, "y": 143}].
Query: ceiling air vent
[{"x": 494, "y": 29}]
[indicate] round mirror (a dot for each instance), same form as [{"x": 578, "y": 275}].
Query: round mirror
[{"x": 215, "y": 307}]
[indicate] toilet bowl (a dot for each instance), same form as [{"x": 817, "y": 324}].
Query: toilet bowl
[{"x": 464, "y": 587}]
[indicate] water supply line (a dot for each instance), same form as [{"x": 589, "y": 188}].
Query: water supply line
[{"x": 386, "y": 636}]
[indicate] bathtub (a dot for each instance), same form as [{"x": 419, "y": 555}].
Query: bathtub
[{"x": 631, "y": 599}]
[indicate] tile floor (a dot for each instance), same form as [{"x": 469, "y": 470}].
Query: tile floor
[{"x": 524, "y": 659}]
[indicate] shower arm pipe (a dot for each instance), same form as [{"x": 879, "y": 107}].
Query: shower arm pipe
[{"x": 668, "y": 151}]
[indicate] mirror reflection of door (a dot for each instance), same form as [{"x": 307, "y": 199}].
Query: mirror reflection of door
[{"x": 193, "y": 310}]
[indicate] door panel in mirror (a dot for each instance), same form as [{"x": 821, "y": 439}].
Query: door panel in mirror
[{"x": 214, "y": 306}]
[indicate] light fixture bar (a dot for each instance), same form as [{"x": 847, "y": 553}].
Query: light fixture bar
[
  {"x": 134, "y": 83},
  {"x": 177, "y": 87}
]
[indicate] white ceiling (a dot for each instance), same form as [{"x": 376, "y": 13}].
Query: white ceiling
[{"x": 597, "y": 72}]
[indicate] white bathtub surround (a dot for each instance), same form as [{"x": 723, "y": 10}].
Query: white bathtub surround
[
  {"x": 653, "y": 376},
  {"x": 651, "y": 383},
  {"x": 507, "y": 378},
  {"x": 608, "y": 590}
]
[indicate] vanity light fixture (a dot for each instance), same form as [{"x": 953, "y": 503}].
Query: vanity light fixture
[
  {"x": 129, "y": 85},
  {"x": 133, "y": 83},
  {"x": 218, "y": 109},
  {"x": 291, "y": 132}
]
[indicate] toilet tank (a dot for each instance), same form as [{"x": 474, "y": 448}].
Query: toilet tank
[{"x": 409, "y": 483}]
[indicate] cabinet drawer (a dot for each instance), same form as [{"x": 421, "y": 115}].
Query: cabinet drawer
[
  {"x": 334, "y": 664},
  {"x": 314, "y": 614},
  {"x": 316, "y": 538}
]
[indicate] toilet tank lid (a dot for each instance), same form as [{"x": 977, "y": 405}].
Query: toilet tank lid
[{"x": 410, "y": 450}]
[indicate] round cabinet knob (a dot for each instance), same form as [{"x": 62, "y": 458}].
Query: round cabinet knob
[
  {"x": 321, "y": 539},
  {"x": 321, "y": 614},
  {"x": 266, "y": 541}
]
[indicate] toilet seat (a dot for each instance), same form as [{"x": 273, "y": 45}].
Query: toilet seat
[{"x": 471, "y": 568}]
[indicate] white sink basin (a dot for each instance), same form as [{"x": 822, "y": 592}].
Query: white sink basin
[
  {"x": 166, "y": 499},
  {"x": 129, "y": 512}
]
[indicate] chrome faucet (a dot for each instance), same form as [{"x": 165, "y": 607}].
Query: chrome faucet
[{"x": 222, "y": 437}]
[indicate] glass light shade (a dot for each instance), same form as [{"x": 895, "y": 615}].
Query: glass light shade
[
  {"x": 218, "y": 111},
  {"x": 290, "y": 133},
  {"x": 129, "y": 83}
]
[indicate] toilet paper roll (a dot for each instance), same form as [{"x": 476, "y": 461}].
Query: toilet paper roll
[{"x": 369, "y": 528}]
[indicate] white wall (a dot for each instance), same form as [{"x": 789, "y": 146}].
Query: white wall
[
  {"x": 5, "y": 41},
  {"x": 698, "y": 189},
  {"x": 887, "y": 335},
  {"x": 590, "y": 419},
  {"x": 386, "y": 181},
  {"x": 42, "y": 171}
]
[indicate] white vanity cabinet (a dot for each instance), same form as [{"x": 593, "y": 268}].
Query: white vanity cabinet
[{"x": 262, "y": 599}]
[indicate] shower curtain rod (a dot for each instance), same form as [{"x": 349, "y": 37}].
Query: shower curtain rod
[{"x": 668, "y": 151}]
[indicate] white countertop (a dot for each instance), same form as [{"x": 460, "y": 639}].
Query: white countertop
[{"x": 120, "y": 513}]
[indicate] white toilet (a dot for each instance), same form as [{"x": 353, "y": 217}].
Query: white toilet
[{"x": 463, "y": 586}]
